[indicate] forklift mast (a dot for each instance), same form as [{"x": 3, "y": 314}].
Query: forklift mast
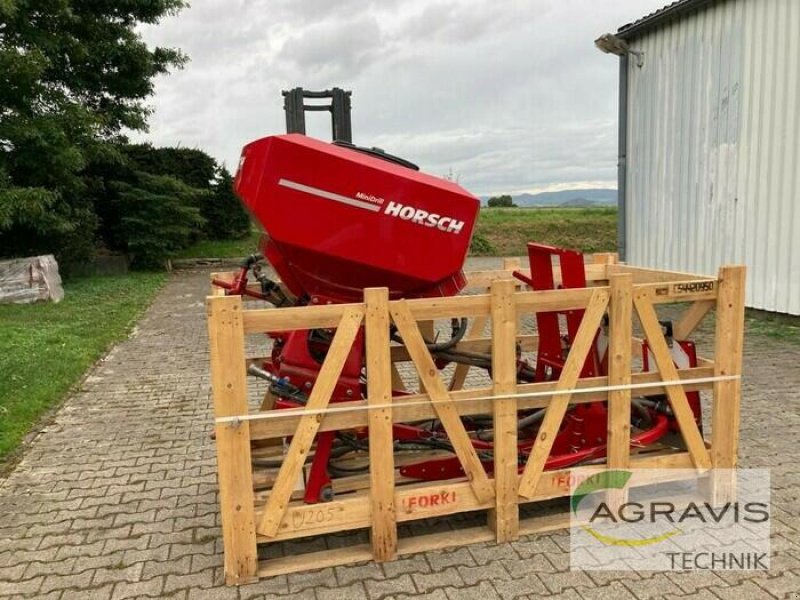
[{"x": 295, "y": 107}]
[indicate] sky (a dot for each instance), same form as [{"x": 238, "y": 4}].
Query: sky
[{"x": 506, "y": 96}]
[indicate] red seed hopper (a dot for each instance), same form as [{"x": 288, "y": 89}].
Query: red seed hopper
[{"x": 338, "y": 220}]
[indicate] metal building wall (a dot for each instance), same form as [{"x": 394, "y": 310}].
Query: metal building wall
[{"x": 713, "y": 148}]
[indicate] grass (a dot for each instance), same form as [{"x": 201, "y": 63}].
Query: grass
[
  {"x": 499, "y": 232},
  {"x": 507, "y": 230},
  {"x": 222, "y": 248},
  {"x": 46, "y": 348},
  {"x": 776, "y": 326}
]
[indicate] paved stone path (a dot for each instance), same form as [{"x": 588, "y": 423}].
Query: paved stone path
[{"x": 116, "y": 498}]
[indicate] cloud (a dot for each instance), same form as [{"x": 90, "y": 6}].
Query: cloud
[{"x": 510, "y": 96}]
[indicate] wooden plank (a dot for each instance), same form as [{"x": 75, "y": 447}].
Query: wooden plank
[
  {"x": 691, "y": 318},
  {"x": 728, "y": 351},
  {"x": 473, "y": 341},
  {"x": 442, "y": 403},
  {"x": 474, "y": 401},
  {"x": 644, "y": 275},
  {"x": 483, "y": 279},
  {"x": 504, "y": 518},
  {"x": 381, "y": 446},
  {"x": 605, "y": 258},
  {"x": 229, "y": 388},
  {"x": 553, "y": 300},
  {"x": 425, "y": 309},
  {"x": 296, "y": 317},
  {"x": 447, "y": 539},
  {"x": 679, "y": 291},
  {"x": 675, "y": 394},
  {"x": 461, "y": 371},
  {"x": 620, "y": 327},
  {"x": 310, "y": 561},
  {"x": 425, "y": 500},
  {"x": 309, "y": 424},
  {"x": 566, "y": 383},
  {"x": 397, "y": 380}
]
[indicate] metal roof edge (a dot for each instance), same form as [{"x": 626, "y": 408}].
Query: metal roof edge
[{"x": 660, "y": 17}]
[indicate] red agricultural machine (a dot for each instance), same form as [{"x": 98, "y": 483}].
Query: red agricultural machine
[{"x": 340, "y": 218}]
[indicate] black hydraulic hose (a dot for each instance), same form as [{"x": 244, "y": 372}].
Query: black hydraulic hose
[{"x": 459, "y": 328}]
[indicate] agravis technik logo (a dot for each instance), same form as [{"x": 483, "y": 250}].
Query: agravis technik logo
[{"x": 632, "y": 519}]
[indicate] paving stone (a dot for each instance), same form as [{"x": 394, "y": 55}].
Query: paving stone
[
  {"x": 439, "y": 579},
  {"x": 782, "y": 585},
  {"x": 347, "y": 575},
  {"x": 219, "y": 592},
  {"x": 27, "y": 587},
  {"x": 193, "y": 580},
  {"x": 744, "y": 591},
  {"x": 652, "y": 587},
  {"x": 479, "y": 591},
  {"x": 522, "y": 587},
  {"x": 417, "y": 563},
  {"x": 380, "y": 588},
  {"x": 63, "y": 582},
  {"x": 302, "y": 581},
  {"x": 131, "y": 589},
  {"x": 274, "y": 586},
  {"x": 493, "y": 571},
  {"x": 110, "y": 495},
  {"x": 433, "y": 595},
  {"x": 354, "y": 591},
  {"x": 119, "y": 572}
]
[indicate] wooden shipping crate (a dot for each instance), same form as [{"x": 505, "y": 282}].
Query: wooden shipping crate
[{"x": 261, "y": 505}]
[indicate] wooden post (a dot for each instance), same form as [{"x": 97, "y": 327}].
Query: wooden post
[
  {"x": 514, "y": 264},
  {"x": 605, "y": 258},
  {"x": 229, "y": 385},
  {"x": 620, "y": 329},
  {"x": 729, "y": 342},
  {"x": 504, "y": 518},
  {"x": 381, "y": 451}
]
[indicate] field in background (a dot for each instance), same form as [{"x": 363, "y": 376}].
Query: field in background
[
  {"x": 46, "y": 348},
  {"x": 507, "y": 230},
  {"x": 500, "y": 232}
]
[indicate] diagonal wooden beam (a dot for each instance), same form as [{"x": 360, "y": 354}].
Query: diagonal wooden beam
[
  {"x": 558, "y": 405},
  {"x": 442, "y": 402},
  {"x": 691, "y": 318},
  {"x": 676, "y": 394},
  {"x": 308, "y": 426},
  {"x": 475, "y": 332}
]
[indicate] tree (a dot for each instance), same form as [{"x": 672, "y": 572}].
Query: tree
[
  {"x": 221, "y": 210},
  {"x": 503, "y": 201},
  {"x": 75, "y": 74},
  {"x": 157, "y": 217},
  {"x": 225, "y": 216}
]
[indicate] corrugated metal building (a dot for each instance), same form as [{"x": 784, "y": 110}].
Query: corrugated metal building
[{"x": 710, "y": 143}]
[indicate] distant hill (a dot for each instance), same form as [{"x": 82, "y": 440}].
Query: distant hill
[{"x": 569, "y": 198}]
